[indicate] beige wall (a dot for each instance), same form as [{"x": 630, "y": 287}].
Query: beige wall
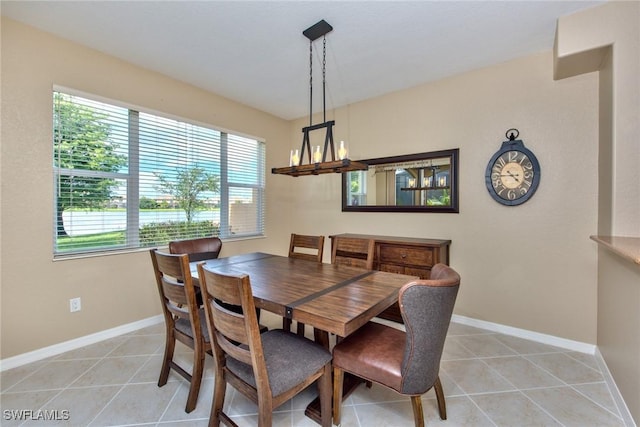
[
  {"x": 117, "y": 289},
  {"x": 530, "y": 266},
  {"x": 607, "y": 38}
]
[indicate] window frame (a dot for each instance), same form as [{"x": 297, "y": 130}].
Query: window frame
[{"x": 133, "y": 174}]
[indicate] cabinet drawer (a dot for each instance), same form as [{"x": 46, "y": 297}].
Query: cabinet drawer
[{"x": 406, "y": 255}]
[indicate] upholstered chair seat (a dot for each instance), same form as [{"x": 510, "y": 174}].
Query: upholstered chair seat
[
  {"x": 375, "y": 354},
  {"x": 289, "y": 362},
  {"x": 184, "y": 326}
]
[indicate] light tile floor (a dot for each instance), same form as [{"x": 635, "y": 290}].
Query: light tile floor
[{"x": 489, "y": 379}]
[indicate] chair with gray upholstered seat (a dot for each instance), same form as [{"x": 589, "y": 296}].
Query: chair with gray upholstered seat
[
  {"x": 184, "y": 320},
  {"x": 409, "y": 362},
  {"x": 268, "y": 368}
]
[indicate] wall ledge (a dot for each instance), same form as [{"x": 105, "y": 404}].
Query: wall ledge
[{"x": 626, "y": 247}]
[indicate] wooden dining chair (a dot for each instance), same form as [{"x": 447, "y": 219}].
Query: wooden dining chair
[
  {"x": 198, "y": 249},
  {"x": 268, "y": 368},
  {"x": 353, "y": 252},
  {"x": 408, "y": 363},
  {"x": 309, "y": 248},
  {"x": 306, "y": 247},
  {"x": 201, "y": 249},
  {"x": 184, "y": 320}
]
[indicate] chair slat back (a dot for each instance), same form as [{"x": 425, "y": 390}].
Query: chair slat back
[
  {"x": 228, "y": 327},
  {"x": 175, "y": 299},
  {"x": 353, "y": 252},
  {"x": 306, "y": 247},
  {"x": 426, "y": 307},
  {"x": 197, "y": 249},
  {"x": 175, "y": 286}
]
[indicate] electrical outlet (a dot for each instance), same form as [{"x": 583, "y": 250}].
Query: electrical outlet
[{"x": 74, "y": 304}]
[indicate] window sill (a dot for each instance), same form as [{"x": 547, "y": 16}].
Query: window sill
[{"x": 626, "y": 247}]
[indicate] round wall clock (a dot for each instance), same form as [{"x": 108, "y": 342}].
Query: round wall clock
[{"x": 513, "y": 173}]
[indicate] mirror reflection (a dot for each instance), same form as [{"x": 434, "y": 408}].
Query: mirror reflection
[{"x": 424, "y": 182}]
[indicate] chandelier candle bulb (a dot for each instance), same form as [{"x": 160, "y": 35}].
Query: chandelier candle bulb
[
  {"x": 317, "y": 156},
  {"x": 295, "y": 158},
  {"x": 342, "y": 152}
]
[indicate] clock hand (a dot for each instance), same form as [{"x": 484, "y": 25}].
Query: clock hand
[{"x": 513, "y": 176}]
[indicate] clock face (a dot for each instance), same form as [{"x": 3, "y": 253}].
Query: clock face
[{"x": 512, "y": 175}]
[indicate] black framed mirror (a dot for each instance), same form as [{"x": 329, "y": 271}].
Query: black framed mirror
[{"x": 422, "y": 182}]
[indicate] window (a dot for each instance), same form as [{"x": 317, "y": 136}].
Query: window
[
  {"x": 129, "y": 179},
  {"x": 357, "y": 188}
]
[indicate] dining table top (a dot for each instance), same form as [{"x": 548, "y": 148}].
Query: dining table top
[{"x": 333, "y": 298}]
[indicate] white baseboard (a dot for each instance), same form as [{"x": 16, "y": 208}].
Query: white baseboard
[
  {"x": 53, "y": 350},
  {"x": 615, "y": 392},
  {"x": 528, "y": 335},
  {"x": 43, "y": 353}
]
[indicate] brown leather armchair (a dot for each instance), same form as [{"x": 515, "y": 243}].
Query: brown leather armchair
[
  {"x": 197, "y": 249},
  {"x": 405, "y": 362}
]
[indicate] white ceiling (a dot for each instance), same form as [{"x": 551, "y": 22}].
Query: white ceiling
[{"x": 254, "y": 51}]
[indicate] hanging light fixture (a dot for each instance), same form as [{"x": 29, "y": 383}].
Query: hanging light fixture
[{"x": 317, "y": 162}]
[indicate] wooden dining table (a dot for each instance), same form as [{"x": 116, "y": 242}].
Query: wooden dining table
[{"x": 333, "y": 299}]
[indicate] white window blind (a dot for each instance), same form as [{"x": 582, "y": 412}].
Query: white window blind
[{"x": 129, "y": 179}]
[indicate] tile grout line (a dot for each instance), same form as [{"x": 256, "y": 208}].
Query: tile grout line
[{"x": 121, "y": 386}]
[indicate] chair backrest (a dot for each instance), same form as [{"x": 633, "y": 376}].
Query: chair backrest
[
  {"x": 197, "y": 249},
  {"x": 352, "y": 251},
  {"x": 426, "y": 307},
  {"x": 312, "y": 247},
  {"x": 233, "y": 334},
  {"x": 176, "y": 290}
]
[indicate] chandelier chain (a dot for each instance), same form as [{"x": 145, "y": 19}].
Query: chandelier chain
[
  {"x": 324, "y": 72},
  {"x": 310, "y": 82}
]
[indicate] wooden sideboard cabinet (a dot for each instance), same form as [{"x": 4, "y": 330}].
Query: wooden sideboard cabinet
[{"x": 405, "y": 255}]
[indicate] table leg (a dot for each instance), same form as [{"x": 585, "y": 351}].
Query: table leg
[
  {"x": 321, "y": 337},
  {"x": 349, "y": 385}
]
